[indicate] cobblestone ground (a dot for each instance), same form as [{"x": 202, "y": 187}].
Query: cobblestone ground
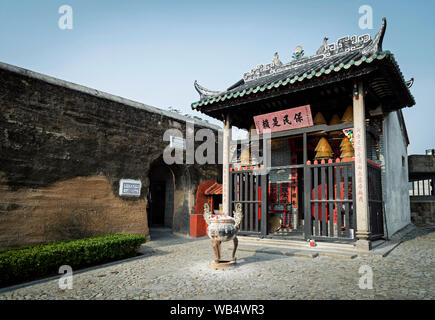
[{"x": 178, "y": 269}]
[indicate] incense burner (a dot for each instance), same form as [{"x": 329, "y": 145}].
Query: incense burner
[{"x": 223, "y": 228}]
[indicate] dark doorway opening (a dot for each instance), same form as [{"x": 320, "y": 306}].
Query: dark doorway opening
[
  {"x": 160, "y": 206},
  {"x": 157, "y": 204}
]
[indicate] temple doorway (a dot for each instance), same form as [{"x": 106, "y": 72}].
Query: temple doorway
[
  {"x": 157, "y": 203},
  {"x": 285, "y": 187},
  {"x": 160, "y": 207}
]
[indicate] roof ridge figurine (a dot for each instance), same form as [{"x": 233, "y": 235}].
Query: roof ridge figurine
[
  {"x": 323, "y": 46},
  {"x": 276, "y": 60},
  {"x": 298, "y": 53},
  {"x": 362, "y": 44}
]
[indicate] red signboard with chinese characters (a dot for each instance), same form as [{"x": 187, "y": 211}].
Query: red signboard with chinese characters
[{"x": 294, "y": 118}]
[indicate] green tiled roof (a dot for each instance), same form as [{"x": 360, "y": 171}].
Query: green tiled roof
[{"x": 297, "y": 78}]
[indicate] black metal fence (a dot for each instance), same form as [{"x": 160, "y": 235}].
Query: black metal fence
[
  {"x": 376, "y": 217},
  {"x": 329, "y": 204},
  {"x": 249, "y": 187},
  {"x": 329, "y": 198}
]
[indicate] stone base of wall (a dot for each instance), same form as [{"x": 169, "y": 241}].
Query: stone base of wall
[
  {"x": 71, "y": 209},
  {"x": 423, "y": 212}
]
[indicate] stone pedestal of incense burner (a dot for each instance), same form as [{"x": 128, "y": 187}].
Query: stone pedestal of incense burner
[{"x": 221, "y": 229}]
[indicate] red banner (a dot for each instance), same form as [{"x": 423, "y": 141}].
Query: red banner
[{"x": 294, "y": 118}]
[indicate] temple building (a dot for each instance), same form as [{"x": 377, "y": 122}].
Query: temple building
[{"x": 333, "y": 128}]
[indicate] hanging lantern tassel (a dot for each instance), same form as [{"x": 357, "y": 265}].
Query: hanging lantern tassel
[{"x": 349, "y": 134}]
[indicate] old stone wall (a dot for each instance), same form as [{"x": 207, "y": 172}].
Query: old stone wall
[
  {"x": 423, "y": 212},
  {"x": 421, "y": 166},
  {"x": 422, "y": 173},
  {"x": 63, "y": 149}
]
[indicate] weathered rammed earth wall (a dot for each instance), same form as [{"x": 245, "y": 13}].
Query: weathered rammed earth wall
[{"x": 63, "y": 149}]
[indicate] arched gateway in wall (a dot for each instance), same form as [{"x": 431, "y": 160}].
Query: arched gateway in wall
[{"x": 161, "y": 192}]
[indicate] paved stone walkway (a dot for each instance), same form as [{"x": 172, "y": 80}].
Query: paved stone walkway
[{"x": 175, "y": 267}]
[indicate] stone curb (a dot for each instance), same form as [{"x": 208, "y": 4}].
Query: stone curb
[
  {"x": 34, "y": 282},
  {"x": 300, "y": 253},
  {"x": 381, "y": 249},
  {"x": 283, "y": 252}
]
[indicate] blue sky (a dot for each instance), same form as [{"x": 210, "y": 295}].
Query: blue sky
[{"x": 152, "y": 51}]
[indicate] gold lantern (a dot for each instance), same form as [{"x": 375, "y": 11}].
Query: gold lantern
[
  {"x": 323, "y": 149},
  {"x": 346, "y": 148},
  {"x": 348, "y": 115},
  {"x": 319, "y": 119}
]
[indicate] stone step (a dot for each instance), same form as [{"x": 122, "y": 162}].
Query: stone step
[
  {"x": 296, "y": 243},
  {"x": 380, "y": 248},
  {"x": 295, "y": 252},
  {"x": 377, "y": 243},
  {"x": 338, "y": 255},
  {"x": 279, "y": 251}
]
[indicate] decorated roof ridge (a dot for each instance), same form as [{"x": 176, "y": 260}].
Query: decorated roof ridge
[
  {"x": 408, "y": 84},
  {"x": 296, "y": 79},
  {"x": 348, "y": 46},
  {"x": 204, "y": 92}
]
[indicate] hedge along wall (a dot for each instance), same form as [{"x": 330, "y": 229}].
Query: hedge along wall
[
  {"x": 63, "y": 150},
  {"x": 30, "y": 263}
]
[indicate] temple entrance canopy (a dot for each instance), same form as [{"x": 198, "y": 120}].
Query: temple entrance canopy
[{"x": 324, "y": 116}]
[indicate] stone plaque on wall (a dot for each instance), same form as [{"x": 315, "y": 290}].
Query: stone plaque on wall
[{"x": 129, "y": 187}]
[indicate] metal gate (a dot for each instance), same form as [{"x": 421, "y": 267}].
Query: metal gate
[
  {"x": 376, "y": 219},
  {"x": 329, "y": 211},
  {"x": 249, "y": 187},
  {"x": 329, "y": 205}
]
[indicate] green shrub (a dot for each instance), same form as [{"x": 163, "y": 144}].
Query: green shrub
[{"x": 29, "y": 263}]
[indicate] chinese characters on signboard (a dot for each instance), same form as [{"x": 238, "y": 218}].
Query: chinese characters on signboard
[
  {"x": 294, "y": 118},
  {"x": 129, "y": 187}
]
